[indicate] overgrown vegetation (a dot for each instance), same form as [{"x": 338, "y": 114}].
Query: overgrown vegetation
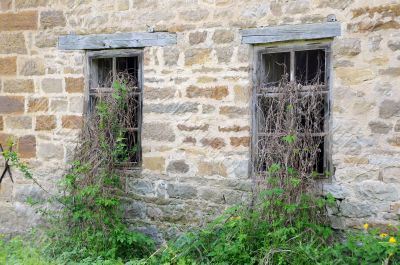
[{"x": 285, "y": 224}]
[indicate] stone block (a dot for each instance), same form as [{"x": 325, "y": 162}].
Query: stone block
[
  {"x": 172, "y": 108},
  {"x": 224, "y": 55},
  {"x": 354, "y": 76},
  {"x": 6, "y": 5},
  {"x": 154, "y": 163},
  {"x": 19, "y": 86},
  {"x": 397, "y": 126},
  {"x": 50, "y": 151},
  {"x": 217, "y": 92},
  {"x": 216, "y": 143},
  {"x": 18, "y": 122},
  {"x": 223, "y": 36},
  {"x": 140, "y": 186},
  {"x": 189, "y": 140},
  {"x": 76, "y": 104},
  {"x": 46, "y": 39},
  {"x": 389, "y": 108},
  {"x": 171, "y": 56},
  {"x": 74, "y": 85},
  {"x": 45, "y": 123},
  {"x": 356, "y": 209},
  {"x": 380, "y": 127},
  {"x": 197, "y": 37},
  {"x": 151, "y": 93},
  {"x": 187, "y": 128},
  {"x": 6, "y": 139},
  {"x": 197, "y": 56},
  {"x": 234, "y": 128},
  {"x": 233, "y": 111},
  {"x": 211, "y": 169},
  {"x": 52, "y": 85},
  {"x": 391, "y": 71},
  {"x": 12, "y": 104},
  {"x": 12, "y": 43},
  {"x": 181, "y": 191},
  {"x": 31, "y": 66},
  {"x": 59, "y": 105},
  {"x": 207, "y": 109},
  {"x": 51, "y": 19},
  {"x": 38, "y": 104},
  {"x": 25, "y": 20},
  {"x": 1, "y": 123},
  {"x": 391, "y": 175},
  {"x": 394, "y": 45},
  {"x": 27, "y": 146},
  {"x": 158, "y": 131},
  {"x": 30, "y": 3},
  {"x": 178, "y": 167},
  {"x": 242, "y": 94},
  {"x": 377, "y": 190},
  {"x": 8, "y": 65},
  {"x": 350, "y": 46},
  {"x": 72, "y": 122},
  {"x": 240, "y": 141}
]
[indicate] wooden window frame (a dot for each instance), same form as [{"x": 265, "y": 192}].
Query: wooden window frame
[
  {"x": 257, "y": 74},
  {"x": 90, "y": 71}
]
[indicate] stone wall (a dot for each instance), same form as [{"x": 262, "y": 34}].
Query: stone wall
[{"x": 196, "y": 119}]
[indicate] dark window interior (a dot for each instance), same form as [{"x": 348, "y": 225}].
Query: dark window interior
[
  {"x": 276, "y": 66},
  {"x": 310, "y": 67}
]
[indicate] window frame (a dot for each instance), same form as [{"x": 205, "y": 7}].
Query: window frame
[
  {"x": 89, "y": 72},
  {"x": 258, "y": 52}
]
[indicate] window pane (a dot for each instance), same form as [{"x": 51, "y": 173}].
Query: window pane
[
  {"x": 101, "y": 74},
  {"x": 310, "y": 67},
  {"x": 129, "y": 65},
  {"x": 276, "y": 66}
]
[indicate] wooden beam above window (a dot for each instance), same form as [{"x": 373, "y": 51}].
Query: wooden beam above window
[
  {"x": 116, "y": 40},
  {"x": 291, "y": 32}
]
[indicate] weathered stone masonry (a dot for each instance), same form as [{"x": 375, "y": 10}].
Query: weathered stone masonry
[{"x": 197, "y": 118}]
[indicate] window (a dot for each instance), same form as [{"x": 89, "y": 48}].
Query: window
[
  {"x": 307, "y": 69},
  {"x": 104, "y": 66}
]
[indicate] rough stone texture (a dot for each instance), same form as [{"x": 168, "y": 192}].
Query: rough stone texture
[
  {"x": 50, "y": 151},
  {"x": 72, "y": 122},
  {"x": 74, "y": 85},
  {"x": 19, "y": 86},
  {"x": 223, "y": 36},
  {"x": 18, "y": 122},
  {"x": 45, "y": 123},
  {"x": 197, "y": 102},
  {"x": 31, "y": 66},
  {"x": 217, "y": 93},
  {"x": 38, "y": 104},
  {"x": 154, "y": 163},
  {"x": 349, "y": 47},
  {"x": 197, "y": 56},
  {"x": 12, "y": 43},
  {"x": 52, "y": 19},
  {"x": 216, "y": 143},
  {"x": 171, "y": 56},
  {"x": 12, "y": 104},
  {"x": 178, "y": 167},
  {"x": 8, "y": 66},
  {"x": 197, "y": 37},
  {"x": 27, "y": 146},
  {"x": 50, "y": 85},
  {"x": 158, "y": 132},
  {"x": 379, "y": 127},
  {"x": 389, "y": 108},
  {"x": 172, "y": 108},
  {"x": 26, "y": 20}
]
